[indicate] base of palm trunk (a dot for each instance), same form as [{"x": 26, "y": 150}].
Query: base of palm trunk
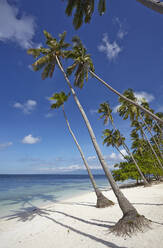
[
  {"x": 130, "y": 224},
  {"x": 103, "y": 202},
  {"x": 147, "y": 185}
]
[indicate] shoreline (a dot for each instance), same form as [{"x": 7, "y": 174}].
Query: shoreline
[
  {"x": 41, "y": 204},
  {"x": 75, "y": 222}
]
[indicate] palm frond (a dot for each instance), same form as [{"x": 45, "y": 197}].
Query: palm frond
[{"x": 102, "y": 6}]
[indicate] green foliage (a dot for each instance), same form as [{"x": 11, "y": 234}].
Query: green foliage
[
  {"x": 128, "y": 170},
  {"x": 101, "y": 7},
  {"x": 83, "y": 10},
  {"x": 60, "y": 98},
  {"x": 106, "y": 111},
  {"x": 46, "y": 57},
  {"x": 127, "y": 109},
  {"x": 113, "y": 138},
  {"x": 82, "y": 62},
  {"x": 125, "y": 171}
]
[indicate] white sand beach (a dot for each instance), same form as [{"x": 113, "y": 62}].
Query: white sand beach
[{"x": 76, "y": 223}]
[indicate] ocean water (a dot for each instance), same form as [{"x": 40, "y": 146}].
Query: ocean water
[{"x": 19, "y": 192}]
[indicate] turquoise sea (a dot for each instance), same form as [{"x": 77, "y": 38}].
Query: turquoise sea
[{"x": 18, "y": 192}]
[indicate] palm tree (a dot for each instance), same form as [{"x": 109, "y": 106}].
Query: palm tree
[
  {"x": 60, "y": 99},
  {"x": 118, "y": 139},
  {"x": 130, "y": 214},
  {"x": 83, "y": 65}
]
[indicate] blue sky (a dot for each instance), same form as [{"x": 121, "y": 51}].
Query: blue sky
[{"x": 126, "y": 45}]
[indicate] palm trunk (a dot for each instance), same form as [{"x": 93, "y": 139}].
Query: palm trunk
[
  {"x": 102, "y": 201},
  {"x": 119, "y": 151},
  {"x": 127, "y": 99},
  {"x": 152, "y": 136},
  {"x": 159, "y": 128},
  {"x": 124, "y": 204},
  {"x": 137, "y": 166},
  {"x": 130, "y": 214}
]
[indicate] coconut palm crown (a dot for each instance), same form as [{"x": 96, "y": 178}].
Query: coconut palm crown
[
  {"x": 127, "y": 109},
  {"x": 59, "y": 99},
  {"x": 105, "y": 112},
  {"x": 82, "y": 62},
  {"x": 46, "y": 57}
]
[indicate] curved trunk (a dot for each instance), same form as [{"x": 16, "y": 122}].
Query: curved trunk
[
  {"x": 152, "y": 136},
  {"x": 127, "y": 99},
  {"x": 137, "y": 166},
  {"x": 124, "y": 204},
  {"x": 119, "y": 151},
  {"x": 102, "y": 201},
  {"x": 159, "y": 128}
]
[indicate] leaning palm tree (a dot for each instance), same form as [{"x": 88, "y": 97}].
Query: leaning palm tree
[
  {"x": 60, "y": 99},
  {"x": 131, "y": 220},
  {"x": 82, "y": 65},
  {"x": 118, "y": 139}
]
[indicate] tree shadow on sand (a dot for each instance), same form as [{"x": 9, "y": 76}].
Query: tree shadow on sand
[
  {"x": 27, "y": 200},
  {"x": 28, "y": 214},
  {"x": 86, "y": 204},
  {"x": 148, "y": 204}
]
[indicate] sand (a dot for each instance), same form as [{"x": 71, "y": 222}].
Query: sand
[{"x": 76, "y": 223}]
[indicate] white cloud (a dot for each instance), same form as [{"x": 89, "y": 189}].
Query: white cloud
[
  {"x": 30, "y": 67},
  {"x": 116, "y": 157},
  {"x": 122, "y": 31},
  {"x": 49, "y": 115},
  {"x": 113, "y": 156},
  {"x": 111, "y": 50},
  {"x": 5, "y": 145},
  {"x": 143, "y": 94},
  {"x": 90, "y": 158},
  {"x": 123, "y": 151},
  {"x": 13, "y": 27},
  {"x": 93, "y": 111},
  {"x": 29, "y": 139},
  {"x": 115, "y": 109},
  {"x": 26, "y": 107}
]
